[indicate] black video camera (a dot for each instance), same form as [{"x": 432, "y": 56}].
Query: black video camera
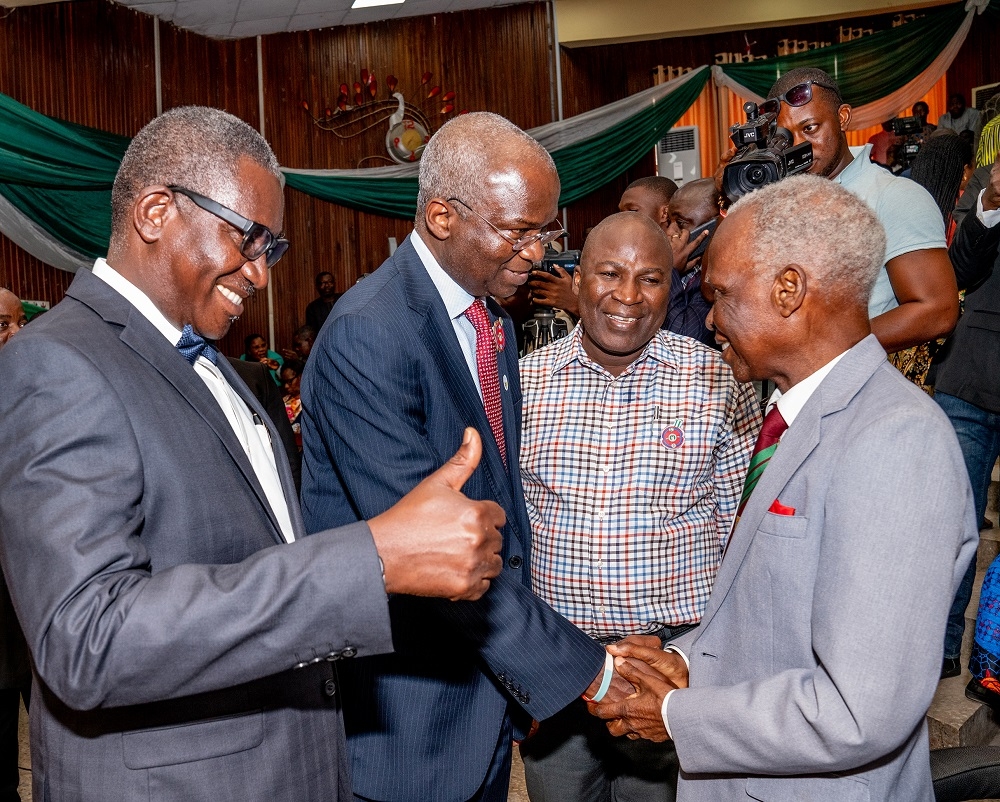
[
  {"x": 902, "y": 126},
  {"x": 765, "y": 152},
  {"x": 567, "y": 260},
  {"x": 913, "y": 130}
]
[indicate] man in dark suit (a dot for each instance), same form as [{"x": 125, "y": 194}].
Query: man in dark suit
[
  {"x": 410, "y": 357},
  {"x": 966, "y": 385},
  {"x": 183, "y": 630},
  {"x": 820, "y": 648}
]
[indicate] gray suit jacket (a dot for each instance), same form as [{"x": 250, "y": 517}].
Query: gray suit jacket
[
  {"x": 166, "y": 617},
  {"x": 821, "y": 646}
]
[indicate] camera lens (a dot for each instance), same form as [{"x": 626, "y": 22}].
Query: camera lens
[{"x": 756, "y": 175}]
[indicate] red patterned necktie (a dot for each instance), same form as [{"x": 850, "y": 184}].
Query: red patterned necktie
[
  {"x": 486, "y": 365},
  {"x": 767, "y": 442}
]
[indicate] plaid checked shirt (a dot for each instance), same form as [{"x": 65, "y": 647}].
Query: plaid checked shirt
[{"x": 632, "y": 481}]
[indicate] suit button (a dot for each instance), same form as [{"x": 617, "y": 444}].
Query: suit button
[
  {"x": 515, "y": 561},
  {"x": 350, "y": 651},
  {"x": 330, "y": 687}
]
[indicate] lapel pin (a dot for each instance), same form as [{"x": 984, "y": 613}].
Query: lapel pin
[
  {"x": 673, "y": 436},
  {"x": 505, "y": 385}
]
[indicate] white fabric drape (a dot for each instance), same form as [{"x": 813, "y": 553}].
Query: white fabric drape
[{"x": 26, "y": 233}]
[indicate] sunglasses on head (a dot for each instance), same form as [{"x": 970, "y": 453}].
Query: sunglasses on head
[
  {"x": 798, "y": 95},
  {"x": 257, "y": 238}
]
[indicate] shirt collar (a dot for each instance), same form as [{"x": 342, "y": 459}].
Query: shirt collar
[
  {"x": 573, "y": 351},
  {"x": 456, "y": 298},
  {"x": 790, "y": 403},
  {"x": 857, "y": 163},
  {"x": 137, "y": 298}
]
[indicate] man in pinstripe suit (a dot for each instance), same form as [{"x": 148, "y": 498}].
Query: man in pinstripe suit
[{"x": 397, "y": 373}]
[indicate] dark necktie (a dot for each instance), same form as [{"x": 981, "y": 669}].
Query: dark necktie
[
  {"x": 767, "y": 441},
  {"x": 192, "y": 346},
  {"x": 486, "y": 365}
]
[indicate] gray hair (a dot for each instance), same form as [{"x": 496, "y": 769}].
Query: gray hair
[
  {"x": 816, "y": 223},
  {"x": 465, "y": 149},
  {"x": 194, "y": 146}
]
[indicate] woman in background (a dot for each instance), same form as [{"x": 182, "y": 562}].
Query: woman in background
[{"x": 255, "y": 350}]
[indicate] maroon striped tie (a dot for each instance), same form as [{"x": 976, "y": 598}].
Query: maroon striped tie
[{"x": 486, "y": 365}]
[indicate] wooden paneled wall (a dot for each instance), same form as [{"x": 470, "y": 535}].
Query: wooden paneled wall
[{"x": 92, "y": 62}]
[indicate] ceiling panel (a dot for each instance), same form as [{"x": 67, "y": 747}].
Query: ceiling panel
[{"x": 226, "y": 19}]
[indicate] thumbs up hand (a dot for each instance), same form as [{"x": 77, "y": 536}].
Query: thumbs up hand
[{"x": 437, "y": 542}]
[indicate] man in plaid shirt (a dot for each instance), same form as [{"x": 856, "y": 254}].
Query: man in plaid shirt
[{"x": 635, "y": 447}]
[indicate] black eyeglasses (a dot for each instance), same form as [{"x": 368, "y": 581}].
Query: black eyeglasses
[
  {"x": 798, "y": 95},
  {"x": 517, "y": 243},
  {"x": 257, "y": 238}
]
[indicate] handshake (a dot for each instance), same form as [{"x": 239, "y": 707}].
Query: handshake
[{"x": 644, "y": 675}]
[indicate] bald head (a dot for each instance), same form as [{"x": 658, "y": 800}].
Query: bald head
[
  {"x": 626, "y": 230},
  {"x": 12, "y": 317},
  {"x": 695, "y": 203}
]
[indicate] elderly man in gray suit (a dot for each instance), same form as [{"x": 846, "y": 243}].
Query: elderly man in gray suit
[
  {"x": 820, "y": 649},
  {"x": 183, "y": 631}
]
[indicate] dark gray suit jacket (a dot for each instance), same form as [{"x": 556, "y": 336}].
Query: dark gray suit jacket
[{"x": 165, "y": 614}]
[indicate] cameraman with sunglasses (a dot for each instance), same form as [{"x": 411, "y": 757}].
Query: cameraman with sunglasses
[{"x": 915, "y": 298}]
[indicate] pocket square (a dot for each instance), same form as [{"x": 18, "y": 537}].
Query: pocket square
[{"x": 780, "y": 509}]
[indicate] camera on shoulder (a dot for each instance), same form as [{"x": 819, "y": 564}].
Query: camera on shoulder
[{"x": 765, "y": 154}]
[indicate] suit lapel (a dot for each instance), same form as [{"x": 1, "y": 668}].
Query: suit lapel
[
  {"x": 142, "y": 337},
  {"x": 833, "y": 394},
  {"x": 437, "y": 332}
]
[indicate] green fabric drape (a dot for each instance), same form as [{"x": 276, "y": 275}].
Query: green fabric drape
[
  {"x": 588, "y": 165},
  {"x": 59, "y": 174},
  {"x": 868, "y": 68},
  {"x": 30, "y": 310},
  {"x": 392, "y": 197}
]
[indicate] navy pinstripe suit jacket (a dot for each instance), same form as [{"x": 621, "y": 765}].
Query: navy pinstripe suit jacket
[{"x": 386, "y": 396}]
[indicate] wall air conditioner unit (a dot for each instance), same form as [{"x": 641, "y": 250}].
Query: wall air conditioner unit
[
  {"x": 981, "y": 94},
  {"x": 678, "y": 154}
]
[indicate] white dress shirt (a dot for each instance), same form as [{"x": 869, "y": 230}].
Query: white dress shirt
[
  {"x": 253, "y": 436},
  {"x": 456, "y": 301}
]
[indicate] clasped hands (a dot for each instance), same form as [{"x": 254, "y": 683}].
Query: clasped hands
[{"x": 644, "y": 675}]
